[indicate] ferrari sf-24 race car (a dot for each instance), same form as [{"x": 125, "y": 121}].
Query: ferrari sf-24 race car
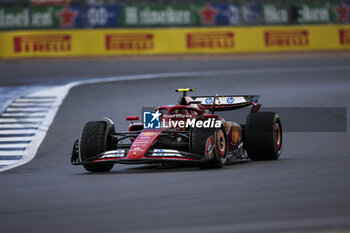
[{"x": 189, "y": 132}]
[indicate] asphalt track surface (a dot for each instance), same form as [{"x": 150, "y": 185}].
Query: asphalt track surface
[{"x": 307, "y": 190}]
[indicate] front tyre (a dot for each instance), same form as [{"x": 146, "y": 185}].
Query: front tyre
[
  {"x": 93, "y": 142},
  {"x": 263, "y": 136}
]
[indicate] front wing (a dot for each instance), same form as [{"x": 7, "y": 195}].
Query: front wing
[{"x": 152, "y": 156}]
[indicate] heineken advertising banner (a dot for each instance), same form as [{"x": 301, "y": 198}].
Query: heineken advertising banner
[
  {"x": 104, "y": 16},
  {"x": 174, "y": 15},
  {"x": 339, "y": 13},
  {"x": 234, "y": 14},
  {"x": 14, "y": 18},
  {"x": 342, "y": 12},
  {"x": 216, "y": 14},
  {"x": 275, "y": 14},
  {"x": 251, "y": 13},
  {"x": 49, "y": 2},
  {"x": 130, "y": 16},
  {"x": 57, "y": 17},
  {"x": 316, "y": 13},
  {"x": 45, "y": 17},
  {"x": 211, "y": 14},
  {"x": 41, "y": 17},
  {"x": 53, "y": 16}
]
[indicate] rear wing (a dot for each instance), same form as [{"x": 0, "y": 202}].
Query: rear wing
[{"x": 227, "y": 102}]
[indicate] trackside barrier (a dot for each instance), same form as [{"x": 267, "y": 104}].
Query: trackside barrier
[{"x": 223, "y": 40}]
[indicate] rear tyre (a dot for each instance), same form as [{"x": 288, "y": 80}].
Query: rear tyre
[
  {"x": 263, "y": 136},
  {"x": 210, "y": 142},
  {"x": 93, "y": 142}
]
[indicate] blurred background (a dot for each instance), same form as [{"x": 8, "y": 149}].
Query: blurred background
[
  {"x": 50, "y": 14},
  {"x": 294, "y": 54}
]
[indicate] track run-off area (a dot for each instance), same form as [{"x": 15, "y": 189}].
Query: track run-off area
[{"x": 307, "y": 190}]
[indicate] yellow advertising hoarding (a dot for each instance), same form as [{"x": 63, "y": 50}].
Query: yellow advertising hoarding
[{"x": 56, "y": 43}]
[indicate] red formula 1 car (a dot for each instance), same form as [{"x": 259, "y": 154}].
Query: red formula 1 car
[{"x": 189, "y": 132}]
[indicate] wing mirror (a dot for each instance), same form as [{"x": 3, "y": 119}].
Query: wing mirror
[{"x": 132, "y": 118}]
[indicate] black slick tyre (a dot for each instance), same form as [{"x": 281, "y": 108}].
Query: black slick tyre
[
  {"x": 94, "y": 142},
  {"x": 263, "y": 136},
  {"x": 213, "y": 141}
]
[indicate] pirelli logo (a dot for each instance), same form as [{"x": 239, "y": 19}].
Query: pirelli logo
[
  {"x": 344, "y": 36},
  {"x": 210, "y": 40},
  {"x": 42, "y": 43},
  {"x": 130, "y": 41},
  {"x": 287, "y": 38}
]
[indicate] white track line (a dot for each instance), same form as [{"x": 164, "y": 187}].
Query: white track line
[
  {"x": 22, "y": 100},
  {"x": 60, "y": 93},
  {"x": 17, "y": 125},
  {"x": 13, "y": 145},
  {"x": 7, "y": 120},
  {"x": 29, "y": 104},
  {"x": 9, "y": 109},
  {"x": 16, "y": 113},
  {"x": 16, "y": 139},
  {"x": 22, "y": 114},
  {"x": 4, "y": 153},
  {"x": 24, "y": 131},
  {"x": 8, "y": 162}
]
